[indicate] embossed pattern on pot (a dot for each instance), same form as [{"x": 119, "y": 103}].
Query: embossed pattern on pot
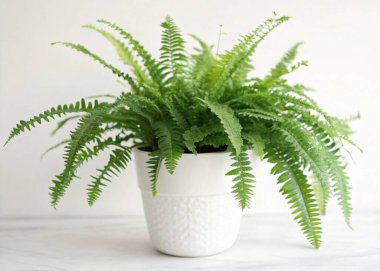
[
  {"x": 192, "y": 226},
  {"x": 194, "y": 212}
]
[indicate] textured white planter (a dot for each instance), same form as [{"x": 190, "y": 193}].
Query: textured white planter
[{"x": 194, "y": 212}]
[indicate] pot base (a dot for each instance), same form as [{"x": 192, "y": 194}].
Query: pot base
[{"x": 192, "y": 226}]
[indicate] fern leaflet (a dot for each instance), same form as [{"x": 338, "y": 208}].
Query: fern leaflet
[
  {"x": 243, "y": 187},
  {"x": 154, "y": 165},
  {"x": 173, "y": 56},
  {"x": 78, "y": 107},
  {"x": 230, "y": 123},
  {"x": 169, "y": 143},
  {"x": 299, "y": 194},
  {"x": 118, "y": 161}
]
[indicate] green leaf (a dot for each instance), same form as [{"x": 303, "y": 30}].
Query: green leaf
[
  {"x": 84, "y": 50},
  {"x": 238, "y": 57},
  {"x": 63, "y": 122},
  {"x": 173, "y": 57},
  {"x": 197, "y": 133},
  {"x": 319, "y": 195},
  {"x": 125, "y": 54},
  {"x": 169, "y": 143},
  {"x": 59, "y": 144},
  {"x": 282, "y": 67},
  {"x": 257, "y": 143},
  {"x": 341, "y": 187},
  {"x": 230, "y": 123},
  {"x": 259, "y": 114},
  {"x": 118, "y": 161},
  {"x": 88, "y": 129},
  {"x": 244, "y": 179},
  {"x": 58, "y": 111},
  {"x": 298, "y": 193},
  {"x": 154, "y": 165},
  {"x": 305, "y": 146},
  {"x": 150, "y": 63}
]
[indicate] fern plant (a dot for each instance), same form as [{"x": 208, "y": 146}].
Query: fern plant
[{"x": 201, "y": 101}]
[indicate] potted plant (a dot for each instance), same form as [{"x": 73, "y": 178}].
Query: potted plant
[{"x": 190, "y": 121}]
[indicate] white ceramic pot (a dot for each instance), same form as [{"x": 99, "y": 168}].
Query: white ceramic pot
[{"x": 194, "y": 212}]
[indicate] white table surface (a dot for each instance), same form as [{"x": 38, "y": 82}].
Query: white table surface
[{"x": 266, "y": 242}]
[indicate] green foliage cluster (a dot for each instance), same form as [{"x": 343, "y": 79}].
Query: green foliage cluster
[{"x": 191, "y": 102}]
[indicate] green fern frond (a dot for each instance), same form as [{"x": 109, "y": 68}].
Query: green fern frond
[
  {"x": 117, "y": 72},
  {"x": 238, "y": 57},
  {"x": 58, "y": 111},
  {"x": 298, "y": 193},
  {"x": 154, "y": 165},
  {"x": 251, "y": 98},
  {"x": 118, "y": 161},
  {"x": 341, "y": 188},
  {"x": 63, "y": 122},
  {"x": 216, "y": 140},
  {"x": 230, "y": 123},
  {"x": 319, "y": 195},
  {"x": 257, "y": 143},
  {"x": 197, "y": 133},
  {"x": 55, "y": 146},
  {"x": 328, "y": 151},
  {"x": 192, "y": 136},
  {"x": 201, "y": 64},
  {"x": 126, "y": 55},
  {"x": 149, "y": 62},
  {"x": 173, "y": 57},
  {"x": 333, "y": 126},
  {"x": 258, "y": 113},
  {"x": 244, "y": 179},
  {"x": 169, "y": 143},
  {"x": 88, "y": 129},
  {"x": 203, "y": 45},
  {"x": 177, "y": 114},
  {"x": 147, "y": 104},
  {"x": 113, "y": 97},
  {"x": 94, "y": 146},
  {"x": 143, "y": 106},
  {"x": 282, "y": 67},
  {"x": 307, "y": 149}
]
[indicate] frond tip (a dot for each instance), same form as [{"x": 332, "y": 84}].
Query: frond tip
[
  {"x": 154, "y": 165},
  {"x": 173, "y": 57},
  {"x": 298, "y": 193},
  {"x": 169, "y": 143},
  {"x": 118, "y": 161},
  {"x": 58, "y": 111},
  {"x": 244, "y": 179},
  {"x": 230, "y": 123}
]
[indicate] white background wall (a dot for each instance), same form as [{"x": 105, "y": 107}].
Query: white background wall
[{"x": 342, "y": 41}]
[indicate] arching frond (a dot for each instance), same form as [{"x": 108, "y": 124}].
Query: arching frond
[
  {"x": 78, "y": 107},
  {"x": 118, "y": 161},
  {"x": 117, "y": 72},
  {"x": 232, "y": 60},
  {"x": 173, "y": 57},
  {"x": 169, "y": 143},
  {"x": 298, "y": 193},
  {"x": 230, "y": 123},
  {"x": 150, "y": 63},
  {"x": 154, "y": 165},
  {"x": 244, "y": 179},
  {"x": 125, "y": 55}
]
